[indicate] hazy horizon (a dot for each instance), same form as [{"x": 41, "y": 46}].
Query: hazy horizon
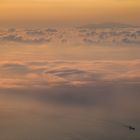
[{"x": 61, "y": 12}]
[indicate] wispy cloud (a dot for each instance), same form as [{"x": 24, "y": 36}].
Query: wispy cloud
[{"x": 50, "y": 73}]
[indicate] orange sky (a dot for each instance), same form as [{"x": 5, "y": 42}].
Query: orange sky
[{"x": 42, "y": 12}]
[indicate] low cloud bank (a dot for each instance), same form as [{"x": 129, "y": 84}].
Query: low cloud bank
[{"x": 74, "y": 36}]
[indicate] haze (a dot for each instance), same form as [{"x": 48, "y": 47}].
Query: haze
[{"x": 65, "y": 12}]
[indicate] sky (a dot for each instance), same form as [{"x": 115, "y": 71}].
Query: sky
[{"x": 60, "y": 12}]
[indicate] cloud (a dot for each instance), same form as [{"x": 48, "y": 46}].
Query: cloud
[
  {"x": 107, "y": 25},
  {"x": 130, "y": 41},
  {"x": 52, "y": 73},
  {"x": 51, "y": 30},
  {"x": 35, "y": 32},
  {"x": 20, "y": 39},
  {"x": 14, "y": 68},
  {"x": 108, "y": 85},
  {"x": 66, "y": 72},
  {"x": 88, "y": 41},
  {"x": 73, "y": 36},
  {"x": 12, "y": 37},
  {"x": 138, "y": 32}
]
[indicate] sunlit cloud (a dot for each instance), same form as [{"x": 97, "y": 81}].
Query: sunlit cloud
[{"x": 42, "y": 74}]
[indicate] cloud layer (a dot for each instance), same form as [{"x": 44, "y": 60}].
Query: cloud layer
[
  {"x": 86, "y": 35},
  {"x": 59, "y": 73}
]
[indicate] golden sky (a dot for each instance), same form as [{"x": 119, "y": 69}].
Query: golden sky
[{"x": 39, "y": 12}]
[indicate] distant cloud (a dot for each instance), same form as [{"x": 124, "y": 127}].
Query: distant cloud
[
  {"x": 88, "y": 41},
  {"x": 120, "y": 35},
  {"x": 130, "y": 41},
  {"x": 51, "y": 30},
  {"x": 35, "y": 32},
  {"x": 11, "y": 37},
  {"x": 107, "y": 25}
]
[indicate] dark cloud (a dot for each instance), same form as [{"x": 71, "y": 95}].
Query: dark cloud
[
  {"x": 103, "y": 35},
  {"x": 12, "y": 37},
  {"x": 20, "y": 39},
  {"x": 51, "y": 30},
  {"x": 88, "y": 41},
  {"x": 131, "y": 41},
  {"x": 15, "y": 68},
  {"x": 41, "y": 40},
  {"x": 35, "y": 32},
  {"x": 66, "y": 72},
  {"x": 138, "y": 33}
]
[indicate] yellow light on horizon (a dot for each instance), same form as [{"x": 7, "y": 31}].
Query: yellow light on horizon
[{"x": 61, "y": 11}]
